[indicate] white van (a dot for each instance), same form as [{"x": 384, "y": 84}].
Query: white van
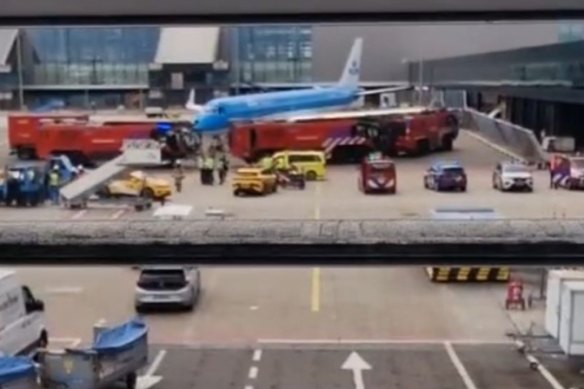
[{"x": 22, "y": 318}]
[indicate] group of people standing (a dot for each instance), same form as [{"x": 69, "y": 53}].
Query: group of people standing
[{"x": 211, "y": 163}]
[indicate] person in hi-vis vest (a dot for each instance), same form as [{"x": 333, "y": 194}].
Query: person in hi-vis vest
[{"x": 54, "y": 179}]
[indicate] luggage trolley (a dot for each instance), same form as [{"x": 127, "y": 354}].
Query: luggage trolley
[
  {"x": 116, "y": 355},
  {"x": 17, "y": 373}
]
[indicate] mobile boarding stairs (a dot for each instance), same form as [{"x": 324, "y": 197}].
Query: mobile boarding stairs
[{"x": 135, "y": 153}]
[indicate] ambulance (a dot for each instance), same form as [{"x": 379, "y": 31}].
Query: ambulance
[{"x": 22, "y": 318}]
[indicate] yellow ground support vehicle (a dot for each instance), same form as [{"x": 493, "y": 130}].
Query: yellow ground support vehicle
[
  {"x": 139, "y": 184},
  {"x": 254, "y": 181},
  {"x": 311, "y": 163}
]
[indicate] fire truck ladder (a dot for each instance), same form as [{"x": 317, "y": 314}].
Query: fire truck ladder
[{"x": 136, "y": 152}]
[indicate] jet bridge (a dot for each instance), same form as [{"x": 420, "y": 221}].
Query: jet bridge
[{"x": 135, "y": 152}]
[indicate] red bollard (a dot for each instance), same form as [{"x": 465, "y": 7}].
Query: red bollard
[{"x": 515, "y": 294}]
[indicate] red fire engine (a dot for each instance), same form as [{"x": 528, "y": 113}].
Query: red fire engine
[
  {"x": 377, "y": 175},
  {"x": 83, "y": 140},
  {"x": 348, "y": 139},
  {"x": 23, "y": 130}
]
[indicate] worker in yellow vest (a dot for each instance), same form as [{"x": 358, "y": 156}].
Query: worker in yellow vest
[
  {"x": 207, "y": 169},
  {"x": 54, "y": 182}
]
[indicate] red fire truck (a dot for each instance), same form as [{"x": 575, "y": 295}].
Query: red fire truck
[
  {"x": 23, "y": 130},
  {"x": 81, "y": 139},
  {"x": 348, "y": 140}
]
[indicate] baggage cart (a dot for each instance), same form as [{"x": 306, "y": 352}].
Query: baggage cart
[
  {"x": 116, "y": 355},
  {"x": 17, "y": 373}
]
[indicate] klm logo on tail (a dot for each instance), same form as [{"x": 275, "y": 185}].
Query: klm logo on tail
[
  {"x": 350, "y": 76},
  {"x": 354, "y": 69}
]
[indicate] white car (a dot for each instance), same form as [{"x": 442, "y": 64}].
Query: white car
[
  {"x": 164, "y": 286},
  {"x": 512, "y": 176}
]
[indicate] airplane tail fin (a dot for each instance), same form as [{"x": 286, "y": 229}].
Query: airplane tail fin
[
  {"x": 352, "y": 69},
  {"x": 191, "y": 105}
]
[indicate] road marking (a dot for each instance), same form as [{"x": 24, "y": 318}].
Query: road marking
[
  {"x": 64, "y": 290},
  {"x": 356, "y": 364},
  {"x": 253, "y": 372},
  {"x": 535, "y": 364},
  {"x": 315, "y": 295},
  {"x": 315, "y": 283},
  {"x": 155, "y": 363},
  {"x": 257, "y": 355},
  {"x": 118, "y": 214},
  {"x": 459, "y": 366},
  {"x": 79, "y": 214},
  {"x": 384, "y": 341},
  {"x": 248, "y": 387}
]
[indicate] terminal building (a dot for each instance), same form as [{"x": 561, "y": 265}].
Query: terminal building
[
  {"x": 136, "y": 67},
  {"x": 539, "y": 87}
]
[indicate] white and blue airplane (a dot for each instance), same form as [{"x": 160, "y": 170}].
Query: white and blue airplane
[{"x": 217, "y": 115}]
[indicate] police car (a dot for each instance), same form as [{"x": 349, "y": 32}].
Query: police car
[{"x": 446, "y": 175}]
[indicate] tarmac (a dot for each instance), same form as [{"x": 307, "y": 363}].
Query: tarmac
[{"x": 292, "y": 327}]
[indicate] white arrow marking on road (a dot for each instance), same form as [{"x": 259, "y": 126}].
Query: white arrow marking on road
[
  {"x": 148, "y": 380},
  {"x": 357, "y": 364}
]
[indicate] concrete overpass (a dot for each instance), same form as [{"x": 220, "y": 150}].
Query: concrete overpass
[{"x": 261, "y": 242}]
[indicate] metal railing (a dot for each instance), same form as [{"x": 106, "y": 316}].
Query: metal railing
[{"x": 517, "y": 140}]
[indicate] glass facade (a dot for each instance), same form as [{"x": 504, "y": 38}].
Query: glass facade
[
  {"x": 92, "y": 56},
  {"x": 570, "y": 32},
  {"x": 272, "y": 54},
  {"x": 111, "y": 56}
]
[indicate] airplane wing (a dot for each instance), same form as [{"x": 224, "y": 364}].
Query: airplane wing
[
  {"x": 293, "y": 118},
  {"x": 384, "y": 90}
]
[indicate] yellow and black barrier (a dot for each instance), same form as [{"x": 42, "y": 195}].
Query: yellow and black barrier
[{"x": 468, "y": 274}]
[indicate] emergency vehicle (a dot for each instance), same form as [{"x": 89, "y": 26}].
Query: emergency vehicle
[
  {"x": 348, "y": 139},
  {"x": 24, "y": 130},
  {"x": 377, "y": 174},
  {"x": 84, "y": 140}
]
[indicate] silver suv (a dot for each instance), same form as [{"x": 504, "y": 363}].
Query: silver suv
[
  {"x": 162, "y": 286},
  {"x": 511, "y": 175}
]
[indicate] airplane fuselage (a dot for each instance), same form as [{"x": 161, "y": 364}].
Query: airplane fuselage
[{"x": 220, "y": 113}]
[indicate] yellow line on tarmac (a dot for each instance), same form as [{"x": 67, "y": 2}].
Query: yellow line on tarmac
[
  {"x": 315, "y": 282},
  {"x": 315, "y": 298}
]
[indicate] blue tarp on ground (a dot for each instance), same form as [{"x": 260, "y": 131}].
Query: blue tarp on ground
[
  {"x": 14, "y": 368},
  {"x": 118, "y": 338}
]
